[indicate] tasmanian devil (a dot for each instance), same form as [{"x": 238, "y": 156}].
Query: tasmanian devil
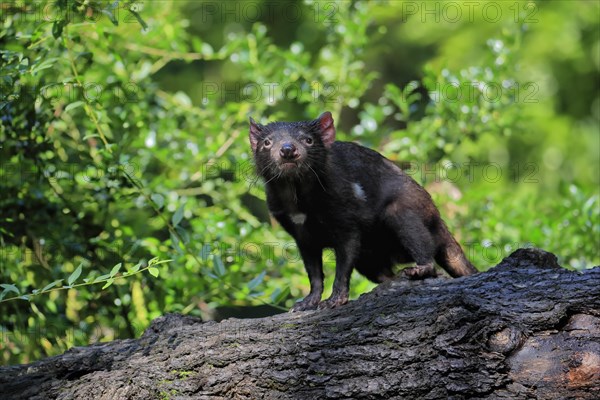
[{"x": 340, "y": 195}]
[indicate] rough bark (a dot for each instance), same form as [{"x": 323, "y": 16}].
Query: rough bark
[{"x": 525, "y": 329}]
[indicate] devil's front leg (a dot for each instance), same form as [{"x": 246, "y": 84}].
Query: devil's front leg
[
  {"x": 313, "y": 263},
  {"x": 346, "y": 254}
]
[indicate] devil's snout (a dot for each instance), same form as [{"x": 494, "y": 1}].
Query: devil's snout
[{"x": 288, "y": 151}]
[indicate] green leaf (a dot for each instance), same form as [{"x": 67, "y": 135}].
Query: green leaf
[
  {"x": 47, "y": 63},
  {"x": 115, "y": 269},
  {"x": 219, "y": 267},
  {"x": 57, "y": 28},
  {"x": 102, "y": 278},
  {"x": 153, "y": 271},
  {"x": 74, "y": 105},
  {"x": 178, "y": 216},
  {"x": 183, "y": 234},
  {"x": 139, "y": 18},
  {"x": 111, "y": 17},
  {"x": 10, "y": 288},
  {"x": 153, "y": 261},
  {"x": 73, "y": 277},
  {"x": 205, "y": 251},
  {"x": 175, "y": 242},
  {"x": 51, "y": 285},
  {"x": 91, "y": 135},
  {"x": 275, "y": 294},
  {"x": 108, "y": 11},
  {"x": 182, "y": 99},
  {"x": 108, "y": 283},
  {"x": 256, "y": 281},
  {"x": 135, "y": 268},
  {"x": 158, "y": 199},
  {"x": 280, "y": 295}
]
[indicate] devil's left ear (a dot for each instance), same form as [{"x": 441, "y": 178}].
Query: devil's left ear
[
  {"x": 326, "y": 128},
  {"x": 255, "y": 133}
]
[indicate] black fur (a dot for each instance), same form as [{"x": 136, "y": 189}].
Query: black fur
[{"x": 340, "y": 195}]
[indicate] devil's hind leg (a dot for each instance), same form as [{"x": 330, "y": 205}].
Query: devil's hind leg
[{"x": 415, "y": 238}]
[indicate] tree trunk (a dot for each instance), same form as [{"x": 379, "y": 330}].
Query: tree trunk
[{"x": 525, "y": 329}]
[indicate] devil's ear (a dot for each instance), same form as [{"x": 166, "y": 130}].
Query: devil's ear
[
  {"x": 326, "y": 128},
  {"x": 255, "y": 133}
]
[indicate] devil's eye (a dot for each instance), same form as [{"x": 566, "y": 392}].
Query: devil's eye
[
  {"x": 267, "y": 143},
  {"x": 308, "y": 140}
]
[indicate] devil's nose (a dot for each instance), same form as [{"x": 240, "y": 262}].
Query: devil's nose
[{"x": 288, "y": 151}]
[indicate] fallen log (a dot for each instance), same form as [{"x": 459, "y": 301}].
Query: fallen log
[{"x": 527, "y": 328}]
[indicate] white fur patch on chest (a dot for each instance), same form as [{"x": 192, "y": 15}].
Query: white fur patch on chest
[
  {"x": 298, "y": 218},
  {"x": 359, "y": 192}
]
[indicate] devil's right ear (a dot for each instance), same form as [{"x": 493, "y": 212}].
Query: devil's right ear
[
  {"x": 255, "y": 133},
  {"x": 326, "y": 128}
]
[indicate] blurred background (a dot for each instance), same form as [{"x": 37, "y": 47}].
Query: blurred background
[{"x": 127, "y": 184}]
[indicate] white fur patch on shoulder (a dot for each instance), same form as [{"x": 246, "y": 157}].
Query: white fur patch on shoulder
[
  {"x": 298, "y": 219},
  {"x": 359, "y": 192}
]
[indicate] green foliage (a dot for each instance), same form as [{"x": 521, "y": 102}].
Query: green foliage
[
  {"x": 124, "y": 141},
  {"x": 107, "y": 280}
]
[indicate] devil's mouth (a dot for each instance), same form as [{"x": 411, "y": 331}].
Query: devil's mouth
[{"x": 288, "y": 165}]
